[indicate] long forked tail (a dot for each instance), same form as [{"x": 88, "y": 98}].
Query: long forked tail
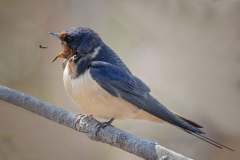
[
  {"x": 155, "y": 108},
  {"x": 208, "y": 140}
]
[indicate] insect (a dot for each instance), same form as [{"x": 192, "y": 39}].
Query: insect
[{"x": 43, "y": 47}]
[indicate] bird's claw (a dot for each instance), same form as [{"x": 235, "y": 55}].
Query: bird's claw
[
  {"x": 103, "y": 125},
  {"x": 79, "y": 117}
]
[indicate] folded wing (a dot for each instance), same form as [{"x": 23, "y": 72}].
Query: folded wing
[{"x": 120, "y": 83}]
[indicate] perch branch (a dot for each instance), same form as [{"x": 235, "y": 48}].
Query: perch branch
[{"x": 87, "y": 124}]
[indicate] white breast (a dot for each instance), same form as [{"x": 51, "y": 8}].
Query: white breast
[{"x": 86, "y": 93}]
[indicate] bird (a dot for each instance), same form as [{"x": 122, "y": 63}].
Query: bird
[{"x": 100, "y": 84}]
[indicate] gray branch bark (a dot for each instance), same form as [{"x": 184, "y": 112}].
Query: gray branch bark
[{"x": 87, "y": 124}]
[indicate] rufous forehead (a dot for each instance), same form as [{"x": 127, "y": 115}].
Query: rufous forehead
[{"x": 62, "y": 35}]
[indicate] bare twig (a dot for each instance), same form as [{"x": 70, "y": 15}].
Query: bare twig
[{"x": 87, "y": 124}]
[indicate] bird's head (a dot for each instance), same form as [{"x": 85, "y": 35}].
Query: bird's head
[{"x": 77, "y": 41}]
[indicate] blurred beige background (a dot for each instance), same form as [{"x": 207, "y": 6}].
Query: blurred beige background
[{"x": 187, "y": 51}]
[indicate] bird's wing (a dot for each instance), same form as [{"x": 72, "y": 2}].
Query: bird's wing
[{"x": 120, "y": 83}]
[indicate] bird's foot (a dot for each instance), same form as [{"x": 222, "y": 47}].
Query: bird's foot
[
  {"x": 104, "y": 124},
  {"x": 79, "y": 116}
]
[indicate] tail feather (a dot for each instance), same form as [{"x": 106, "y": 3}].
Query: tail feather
[
  {"x": 189, "y": 121},
  {"x": 208, "y": 140},
  {"x": 154, "y": 107}
]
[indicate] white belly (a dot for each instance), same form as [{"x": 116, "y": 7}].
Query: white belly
[
  {"x": 92, "y": 99},
  {"x": 86, "y": 93}
]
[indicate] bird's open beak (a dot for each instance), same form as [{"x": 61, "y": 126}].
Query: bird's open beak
[
  {"x": 55, "y": 34},
  {"x": 67, "y": 52}
]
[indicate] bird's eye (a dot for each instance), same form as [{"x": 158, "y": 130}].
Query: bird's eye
[{"x": 68, "y": 39}]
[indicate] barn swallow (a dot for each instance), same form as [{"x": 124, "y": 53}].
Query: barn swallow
[{"x": 100, "y": 84}]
